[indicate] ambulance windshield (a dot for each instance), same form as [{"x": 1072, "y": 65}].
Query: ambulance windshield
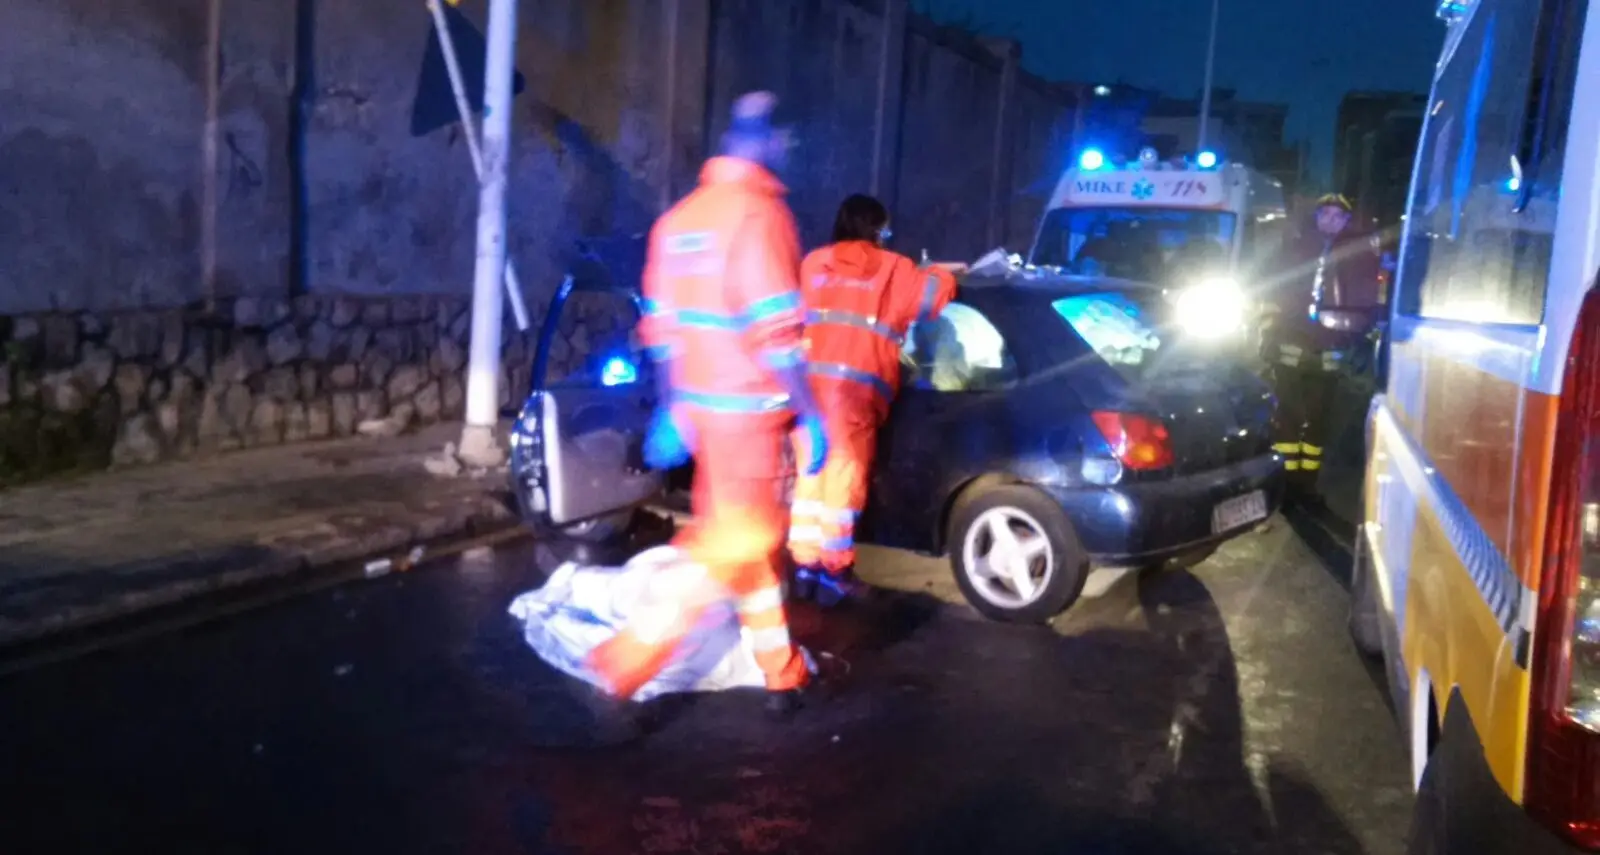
[{"x": 1136, "y": 243}]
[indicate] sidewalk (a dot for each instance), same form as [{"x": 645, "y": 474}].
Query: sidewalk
[{"x": 79, "y": 552}]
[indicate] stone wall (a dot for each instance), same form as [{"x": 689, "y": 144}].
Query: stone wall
[{"x": 82, "y": 391}]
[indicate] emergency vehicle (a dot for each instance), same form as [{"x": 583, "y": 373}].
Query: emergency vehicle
[
  {"x": 1477, "y": 571},
  {"x": 1156, "y": 221}
]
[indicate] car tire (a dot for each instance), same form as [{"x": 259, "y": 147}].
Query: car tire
[
  {"x": 1366, "y": 628},
  {"x": 1066, "y": 565},
  {"x": 601, "y": 529}
]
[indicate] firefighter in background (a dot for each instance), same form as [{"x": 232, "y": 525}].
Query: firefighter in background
[
  {"x": 724, "y": 323},
  {"x": 860, "y": 301},
  {"x": 1326, "y": 265}
]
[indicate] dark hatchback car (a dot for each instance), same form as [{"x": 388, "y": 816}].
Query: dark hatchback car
[{"x": 1047, "y": 424}]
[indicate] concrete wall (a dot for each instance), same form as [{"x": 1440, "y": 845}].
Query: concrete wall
[
  {"x": 390, "y": 213},
  {"x": 173, "y": 159},
  {"x": 1041, "y": 149},
  {"x": 821, "y": 57},
  {"x": 156, "y": 154}
]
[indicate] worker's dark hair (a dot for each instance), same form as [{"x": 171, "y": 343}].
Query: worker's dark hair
[{"x": 861, "y": 217}]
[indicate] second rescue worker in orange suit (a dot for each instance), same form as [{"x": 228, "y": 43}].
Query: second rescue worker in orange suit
[
  {"x": 724, "y": 318},
  {"x": 860, "y": 301}
]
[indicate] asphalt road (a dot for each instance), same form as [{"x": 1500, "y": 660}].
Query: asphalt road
[{"x": 1213, "y": 710}]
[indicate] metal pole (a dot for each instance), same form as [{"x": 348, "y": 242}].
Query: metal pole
[
  {"x": 209, "y": 153},
  {"x": 464, "y": 109},
  {"x": 1205, "y": 95},
  {"x": 669, "y": 104},
  {"x": 478, "y": 444}
]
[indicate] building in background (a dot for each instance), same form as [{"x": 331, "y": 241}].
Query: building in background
[
  {"x": 1111, "y": 116},
  {"x": 1375, "y": 149},
  {"x": 1250, "y": 132}
]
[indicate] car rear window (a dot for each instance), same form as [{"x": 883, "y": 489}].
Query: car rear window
[{"x": 1116, "y": 326}]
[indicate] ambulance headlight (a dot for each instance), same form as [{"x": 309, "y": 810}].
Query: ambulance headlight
[{"x": 1212, "y": 308}]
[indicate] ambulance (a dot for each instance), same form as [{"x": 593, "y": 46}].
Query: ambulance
[
  {"x": 1167, "y": 222},
  {"x": 1476, "y": 578}
]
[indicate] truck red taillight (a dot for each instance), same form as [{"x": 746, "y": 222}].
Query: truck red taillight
[
  {"x": 1563, "y": 783},
  {"x": 1140, "y": 442}
]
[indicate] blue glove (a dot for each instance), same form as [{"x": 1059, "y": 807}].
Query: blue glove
[
  {"x": 666, "y": 446},
  {"x": 816, "y": 444}
]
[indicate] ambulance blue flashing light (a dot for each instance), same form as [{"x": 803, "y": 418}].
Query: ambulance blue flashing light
[
  {"x": 1091, "y": 159},
  {"x": 618, "y": 371},
  {"x": 1206, "y": 159}
]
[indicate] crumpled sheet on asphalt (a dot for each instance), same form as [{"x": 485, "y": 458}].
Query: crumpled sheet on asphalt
[{"x": 581, "y": 606}]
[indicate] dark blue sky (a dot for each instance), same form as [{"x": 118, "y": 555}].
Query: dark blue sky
[{"x": 1301, "y": 52}]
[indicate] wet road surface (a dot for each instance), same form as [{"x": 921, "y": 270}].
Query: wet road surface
[{"x": 1213, "y": 710}]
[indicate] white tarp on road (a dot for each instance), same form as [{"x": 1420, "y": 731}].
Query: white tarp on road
[{"x": 583, "y": 605}]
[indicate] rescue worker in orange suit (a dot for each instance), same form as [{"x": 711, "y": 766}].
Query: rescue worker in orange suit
[
  {"x": 860, "y": 300},
  {"x": 1329, "y": 264},
  {"x": 724, "y": 322}
]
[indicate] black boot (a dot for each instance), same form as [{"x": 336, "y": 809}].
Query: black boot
[
  {"x": 1302, "y": 491},
  {"x": 803, "y": 585},
  {"x": 783, "y": 704},
  {"x": 836, "y": 588}
]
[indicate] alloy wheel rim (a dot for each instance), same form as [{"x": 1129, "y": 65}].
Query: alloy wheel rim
[{"x": 1007, "y": 557}]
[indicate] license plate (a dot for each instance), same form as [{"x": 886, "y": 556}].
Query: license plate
[{"x": 1239, "y": 511}]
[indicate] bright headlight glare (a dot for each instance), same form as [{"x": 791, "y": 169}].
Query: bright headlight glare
[{"x": 1212, "y": 308}]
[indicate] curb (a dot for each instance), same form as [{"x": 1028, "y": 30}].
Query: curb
[{"x": 78, "y": 630}]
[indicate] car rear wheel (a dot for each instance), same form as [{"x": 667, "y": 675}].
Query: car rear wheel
[{"x": 1015, "y": 555}]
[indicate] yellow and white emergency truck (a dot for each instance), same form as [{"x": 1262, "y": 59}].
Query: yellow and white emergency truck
[{"x": 1477, "y": 573}]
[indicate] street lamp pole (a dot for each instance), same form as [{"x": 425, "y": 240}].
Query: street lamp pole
[
  {"x": 1205, "y": 95},
  {"x": 479, "y": 447}
]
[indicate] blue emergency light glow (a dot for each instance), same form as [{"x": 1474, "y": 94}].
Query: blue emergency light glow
[
  {"x": 1091, "y": 159},
  {"x": 1206, "y": 159},
  {"x": 1513, "y": 184},
  {"x": 618, "y": 372}
]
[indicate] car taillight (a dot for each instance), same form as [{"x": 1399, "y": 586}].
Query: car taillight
[
  {"x": 1140, "y": 442},
  {"x": 1563, "y": 785}
]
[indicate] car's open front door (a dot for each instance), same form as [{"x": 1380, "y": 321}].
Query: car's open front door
[
  {"x": 578, "y": 453},
  {"x": 593, "y": 438}
]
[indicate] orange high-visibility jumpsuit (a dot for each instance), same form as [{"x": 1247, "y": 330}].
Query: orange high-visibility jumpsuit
[
  {"x": 722, "y": 305},
  {"x": 860, "y": 301}
]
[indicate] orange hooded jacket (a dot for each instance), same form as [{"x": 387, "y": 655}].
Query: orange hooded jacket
[
  {"x": 721, "y": 302},
  {"x": 860, "y": 301}
]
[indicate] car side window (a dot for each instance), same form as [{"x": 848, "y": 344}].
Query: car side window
[{"x": 959, "y": 351}]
